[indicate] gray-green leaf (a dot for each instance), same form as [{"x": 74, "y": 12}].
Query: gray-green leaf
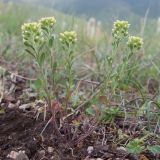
[{"x": 154, "y": 149}]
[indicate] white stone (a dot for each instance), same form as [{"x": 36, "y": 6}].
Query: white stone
[
  {"x": 25, "y": 106},
  {"x": 11, "y": 105},
  {"x": 90, "y": 149},
  {"x": 18, "y": 155},
  {"x": 50, "y": 149}
]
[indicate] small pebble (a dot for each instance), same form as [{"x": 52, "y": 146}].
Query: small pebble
[
  {"x": 12, "y": 155},
  {"x": 50, "y": 149},
  {"x": 22, "y": 156},
  {"x": 11, "y": 105},
  {"x": 90, "y": 149},
  {"x": 25, "y": 107},
  {"x": 121, "y": 149},
  {"x": 41, "y": 153},
  {"x": 18, "y": 155}
]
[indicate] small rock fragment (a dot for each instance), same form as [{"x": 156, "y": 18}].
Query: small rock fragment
[
  {"x": 25, "y": 107},
  {"x": 22, "y": 156},
  {"x": 121, "y": 149},
  {"x": 18, "y": 155},
  {"x": 12, "y": 155},
  {"x": 90, "y": 149},
  {"x": 50, "y": 149},
  {"x": 11, "y": 105},
  {"x": 41, "y": 153},
  {"x": 30, "y": 93}
]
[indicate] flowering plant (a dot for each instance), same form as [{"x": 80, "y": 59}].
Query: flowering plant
[
  {"x": 38, "y": 44},
  {"x": 68, "y": 40},
  {"x": 118, "y": 67}
]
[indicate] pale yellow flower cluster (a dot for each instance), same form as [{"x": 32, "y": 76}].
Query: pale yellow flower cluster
[
  {"x": 135, "y": 43},
  {"x": 68, "y": 38},
  {"x": 47, "y": 22},
  {"x": 34, "y": 31},
  {"x": 31, "y": 31},
  {"x": 120, "y": 29}
]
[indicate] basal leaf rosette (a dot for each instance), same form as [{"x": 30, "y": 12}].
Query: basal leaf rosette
[{"x": 135, "y": 43}]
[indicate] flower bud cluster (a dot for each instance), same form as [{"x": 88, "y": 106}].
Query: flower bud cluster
[
  {"x": 33, "y": 32},
  {"x": 120, "y": 29},
  {"x": 68, "y": 38},
  {"x": 135, "y": 43},
  {"x": 48, "y": 22}
]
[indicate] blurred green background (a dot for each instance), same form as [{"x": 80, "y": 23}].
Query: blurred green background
[{"x": 74, "y": 15}]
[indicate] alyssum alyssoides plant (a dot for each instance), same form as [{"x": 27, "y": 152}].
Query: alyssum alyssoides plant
[
  {"x": 120, "y": 64},
  {"x": 68, "y": 40},
  {"x": 39, "y": 39}
]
